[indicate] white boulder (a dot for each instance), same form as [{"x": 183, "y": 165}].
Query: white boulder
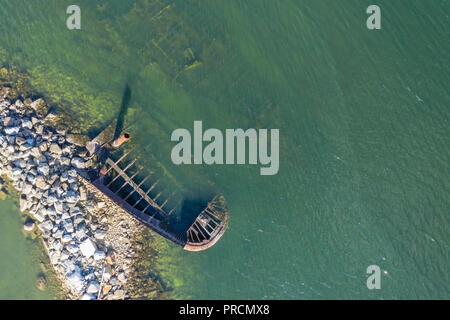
[
  {"x": 99, "y": 255},
  {"x": 12, "y": 131},
  {"x": 99, "y": 234},
  {"x": 78, "y": 163},
  {"x": 93, "y": 288},
  {"x": 88, "y": 296},
  {"x": 76, "y": 281},
  {"x": 88, "y": 248},
  {"x": 44, "y": 169}
]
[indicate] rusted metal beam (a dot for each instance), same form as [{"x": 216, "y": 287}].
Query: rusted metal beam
[
  {"x": 157, "y": 196},
  {"x": 164, "y": 203},
  {"x": 199, "y": 229},
  {"x": 196, "y": 234},
  {"x": 126, "y": 181},
  {"x": 215, "y": 222},
  {"x": 189, "y": 236},
  {"x": 206, "y": 230},
  {"x": 135, "y": 186},
  {"x": 148, "y": 191},
  {"x": 212, "y": 213},
  {"x": 139, "y": 185},
  {"x": 121, "y": 172},
  {"x": 178, "y": 203},
  {"x": 167, "y": 200},
  {"x": 120, "y": 159}
]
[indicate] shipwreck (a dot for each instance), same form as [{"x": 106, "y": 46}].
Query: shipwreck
[{"x": 136, "y": 191}]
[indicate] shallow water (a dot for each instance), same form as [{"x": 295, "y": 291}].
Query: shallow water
[
  {"x": 19, "y": 262},
  {"x": 363, "y": 118}
]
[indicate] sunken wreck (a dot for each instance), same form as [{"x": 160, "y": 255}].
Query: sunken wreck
[{"x": 136, "y": 191}]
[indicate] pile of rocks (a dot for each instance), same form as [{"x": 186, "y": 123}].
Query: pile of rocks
[{"x": 41, "y": 161}]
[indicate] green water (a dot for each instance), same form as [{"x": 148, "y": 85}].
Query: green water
[
  {"x": 363, "y": 118},
  {"x": 19, "y": 263}
]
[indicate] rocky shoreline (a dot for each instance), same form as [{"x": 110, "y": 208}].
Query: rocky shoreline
[{"x": 88, "y": 239}]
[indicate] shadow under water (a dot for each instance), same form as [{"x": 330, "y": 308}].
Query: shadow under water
[
  {"x": 123, "y": 111},
  {"x": 180, "y": 222}
]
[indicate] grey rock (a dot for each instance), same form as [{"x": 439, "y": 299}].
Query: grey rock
[
  {"x": 36, "y": 153},
  {"x": 83, "y": 194},
  {"x": 88, "y": 248},
  {"x": 73, "y": 248},
  {"x": 61, "y": 129},
  {"x": 55, "y": 256},
  {"x": 71, "y": 197},
  {"x": 88, "y": 296},
  {"x": 55, "y": 148},
  {"x": 72, "y": 180},
  {"x": 121, "y": 277},
  {"x": 24, "y": 204},
  {"x": 20, "y": 141},
  {"x": 12, "y": 131},
  {"x": 41, "y": 183},
  {"x": 81, "y": 231},
  {"x": 11, "y": 140},
  {"x": 27, "y": 188},
  {"x": 58, "y": 207},
  {"x": 64, "y": 161},
  {"x": 47, "y": 225},
  {"x": 76, "y": 211},
  {"x": 43, "y": 147},
  {"x": 78, "y": 163},
  {"x": 9, "y": 122},
  {"x": 26, "y": 123},
  {"x": 64, "y": 176},
  {"x": 25, "y": 147},
  {"x": 29, "y": 226},
  {"x": 56, "y": 245},
  {"x": 51, "y": 199},
  {"x": 68, "y": 225},
  {"x": 99, "y": 255},
  {"x": 35, "y": 120},
  {"x": 50, "y": 116},
  {"x": 37, "y": 103},
  {"x": 43, "y": 169},
  {"x": 21, "y": 164},
  {"x": 76, "y": 281},
  {"x": 66, "y": 238},
  {"x": 93, "y": 287},
  {"x": 65, "y": 215},
  {"x": 39, "y": 129},
  {"x": 72, "y": 173},
  {"x": 39, "y": 215},
  {"x": 114, "y": 281},
  {"x": 65, "y": 255},
  {"x": 99, "y": 234},
  {"x": 31, "y": 141},
  {"x": 16, "y": 171},
  {"x": 58, "y": 234}
]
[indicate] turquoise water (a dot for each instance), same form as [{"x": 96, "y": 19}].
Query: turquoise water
[{"x": 363, "y": 118}]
